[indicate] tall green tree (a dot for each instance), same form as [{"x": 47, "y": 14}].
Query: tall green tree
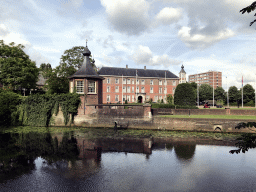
[
  {"x": 57, "y": 84},
  {"x": 233, "y": 94},
  {"x": 46, "y": 70},
  {"x": 184, "y": 94},
  {"x": 169, "y": 99},
  {"x": 205, "y": 92},
  {"x": 249, "y": 93},
  {"x": 16, "y": 69},
  {"x": 194, "y": 86},
  {"x": 71, "y": 60},
  {"x": 219, "y": 94}
]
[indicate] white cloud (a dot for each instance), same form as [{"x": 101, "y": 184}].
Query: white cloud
[
  {"x": 168, "y": 15},
  {"x": 199, "y": 40},
  {"x": 129, "y": 17},
  {"x": 9, "y": 37},
  {"x": 143, "y": 55},
  {"x": 47, "y": 49}
]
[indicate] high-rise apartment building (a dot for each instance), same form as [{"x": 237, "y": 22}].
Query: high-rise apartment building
[{"x": 212, "y": 78}]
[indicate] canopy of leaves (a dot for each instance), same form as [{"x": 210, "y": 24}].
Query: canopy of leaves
[
  {"x": 57, "y": 84},
  {"x": 249, "y": 9},
  {"x": 46, "y": 70},
  {"x": 233, "y": 94},
  {"x": 219, "y": 93},
  {"x": 184, "y": 95},
  {"x": 17, "y": 70},
  {"x": 71, "y": 60},
  {"x": 249, "y": 93},
  {"x": 205, "y": 92},
  {"x": 169, "y": 99}
]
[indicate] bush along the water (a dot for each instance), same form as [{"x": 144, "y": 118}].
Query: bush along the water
[
  {"x": 37, "y": 110},
  {"x": 8, "y": 107}
]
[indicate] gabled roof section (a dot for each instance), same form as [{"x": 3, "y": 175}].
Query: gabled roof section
[
  {"x": 86, "y": 70},
  {"x": 132, "y": 72}
]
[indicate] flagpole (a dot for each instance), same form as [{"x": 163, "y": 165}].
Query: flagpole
[
  {"x": 197, "y": 91},
  {"x": 136, "y": 87},
  {"x": 227, "y": 92},
  {"x": 165, "y": 88},
  {"x": 242, "y": 93},
  {"x": 213, "y": 87},
  {"x": 122, "y": 89}
]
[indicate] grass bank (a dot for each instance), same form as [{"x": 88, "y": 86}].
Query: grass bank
[{"x": 249, "y": 117}]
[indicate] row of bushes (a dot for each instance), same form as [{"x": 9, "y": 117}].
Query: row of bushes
[
  {"x": 36, "y": 110},
  {"x": 171, "y": 106}
]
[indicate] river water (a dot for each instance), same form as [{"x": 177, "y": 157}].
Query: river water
[{"x": 65, "y": 162}]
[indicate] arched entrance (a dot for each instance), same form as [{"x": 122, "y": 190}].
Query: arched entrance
[{"x": 140, "y": 99}]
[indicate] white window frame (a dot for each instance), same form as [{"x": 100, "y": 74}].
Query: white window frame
[
  {"x": 108, "y": 89},
  {"x": 133, "y": 81},
  {"x": 138, "y": 89},
  {"x": 132, "y": 89},
  {"x": 91, "y": 85},
  {"x": 142, "y": 89},
  {"x": 124, "y": 89},
  {"x": 142, "y": 82},
  {"x": 128, "y": 89},
  {"x": 160, "y": 82},
  {"x": 116, "y": 97},
  {"x": 108, "y": 80},
  {"x": 124, "y": 81},
  {"x": 80, "y": 87},
  {"x": 117, "y": 89},
  {"x": 128, "y": 98},
  {"x": 151, "y": 82},
  {"x": 160, "y": 90},
  {"x": 117, "y": 81},
  {"x": 108, "y": 98},
  {"x": 151, "y": 89}
]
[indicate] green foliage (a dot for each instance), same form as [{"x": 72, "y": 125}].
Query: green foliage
[
  {"x": 71, "y": 60},
  {"x": 171, "y": 106},
  {"x": 17, "y": 70},
  {"x": 249, "y": 93},
  {"x": 205, "y": 92},
  {"x": 219, "y": 93},
  {"x": 46, "y": 70},
  {"x": 169, "y": 99},
  {"x": 57, "y": 84},
  {"x": 249, "y": 9},
  {"x": 126, "y": 102},
  {"x": 250, "y": 103},
  {"x": 233, "y": 94},
  {"x": 37, "y": 110},
  {"x": 8, "y": 108},
  {"x": 184, "y": 95}
]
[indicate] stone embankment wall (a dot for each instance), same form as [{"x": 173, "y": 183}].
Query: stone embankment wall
[{"x": 143, "y": 117}]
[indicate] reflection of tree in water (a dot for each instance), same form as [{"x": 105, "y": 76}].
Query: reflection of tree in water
[
  {"x": 18, "y": 151},
  {"x": 185, "y": 151}
]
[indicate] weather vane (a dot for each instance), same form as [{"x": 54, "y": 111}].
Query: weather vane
[{"x": 86, "y": 42}]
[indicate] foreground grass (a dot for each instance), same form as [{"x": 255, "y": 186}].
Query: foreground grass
[
  {"x": 211, "y": 116},
  {"x": 93, "y": 133}
]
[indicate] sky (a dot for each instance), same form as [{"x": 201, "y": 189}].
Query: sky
[{"x": 202, "y": 35}]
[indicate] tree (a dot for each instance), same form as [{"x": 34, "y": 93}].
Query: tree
[
  {"x": 205, "y": 92},
  {"x": 169, "y": 99},
  {"x": 184, "y": 95},
  {"x": 194, "y": 85},
  {"x": 249, "y": 93},
  {"x": 219, "y": 93},
  {"x": 249, "y": 9},
  {"x": 46, "y": 70},
  {"x": 233, "y": 94},
  {"x": 16, "y": 69},
  {"x": 71, "y": 60},
  {"x": 57, "y": 84}
]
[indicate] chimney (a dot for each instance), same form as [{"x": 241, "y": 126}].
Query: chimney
[
  {"x": 126, "y": 66},
  {"x": 145, "y": 67}
]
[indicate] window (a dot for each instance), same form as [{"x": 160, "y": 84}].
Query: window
[
  {"x": 132, "y": 89},
  {"x": 138, "y": 89},
  {"x": 151, "y": 82},
  {"x": 117, "y": 81},
  {"x": 124, "y": 89},
  {"x": 156, "y": 98},
  {"x": 132, "y": 99},
  {"x": 117, "y": 89},
  {"x": 151, "y": 89},
  {"x": 142, "y": 90},
  {"x": 165, "y": 82},
  {"x": 160, "y": 90},
  {"x": 147, "y": 97},
  {"x": 108, "y": 80},
  {"x": 117, "y": 98},
  {"x": 124, "y": 97},
  {"x": 132, "y": 81},
  {"x": 128, "y": 98},
  {"x": 91, "y": 86},
  {"x": 165, "y": 90},
  {"x": 108, "y": 89},
  {"x": 128, "y": 89},
  {"x": 160, "y": 98},
  {"x": 142, "y": 82},
  {"x": 174, "y": 83},
  {"x": 128, "y": 81},
  {"x": 138, "y": 82},
  {"x": 80, "y": 87},
  {"x": 160, "y": 82},
  {"x": 108, "y": 98},
  {"x": 124, "y": 81}
]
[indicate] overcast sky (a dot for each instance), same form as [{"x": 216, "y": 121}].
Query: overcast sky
[{"x": 202, "y": 35}]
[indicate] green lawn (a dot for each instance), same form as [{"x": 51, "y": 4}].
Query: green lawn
[
  {"x": 233, "y": 108},
  {"x": 210, "y": 116}
]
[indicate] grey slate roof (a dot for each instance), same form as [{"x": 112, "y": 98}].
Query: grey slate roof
[
  {"x": 182, "y": 69},
  {"x": 86, "y": 70},
  {"x": 132, "y": 72}
]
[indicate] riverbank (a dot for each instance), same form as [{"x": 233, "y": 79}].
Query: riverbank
[{"x": 242, "y": 117}]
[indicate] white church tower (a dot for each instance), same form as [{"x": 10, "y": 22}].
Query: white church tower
[{"x": 182, "y": 75}]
